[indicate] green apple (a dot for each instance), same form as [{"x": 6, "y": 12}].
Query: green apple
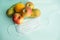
[{"x": 30, "y": 4}]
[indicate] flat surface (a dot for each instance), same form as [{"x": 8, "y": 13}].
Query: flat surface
[{"x": 45, "y": 27}]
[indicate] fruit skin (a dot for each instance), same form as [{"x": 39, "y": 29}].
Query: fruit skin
[
  {"x": 10, "y": 11},
  {"x": 18, "y": 18},
  {"x": 26, "y": 12},
  {"x": 30, "y": 4},
  {"x": 35, "y": 13},
  {"x": 19, "y": 7}
]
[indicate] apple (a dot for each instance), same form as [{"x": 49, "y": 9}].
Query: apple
[
  {"x": 35, "y": 13},
  {"x": 30, "y": 4},
  {"x": 26, "y": 12},
  {"x": 18, "y": 18},
  {"x": 19, "y": 7},
  {"x": 10, "y": 11}
]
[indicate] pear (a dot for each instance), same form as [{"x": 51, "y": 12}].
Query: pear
[
  {"x": 35, "y": 13},
  {"x": 10, "y": 11}
]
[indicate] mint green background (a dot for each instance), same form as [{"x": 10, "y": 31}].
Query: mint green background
[{"x": 50, "y": 9}]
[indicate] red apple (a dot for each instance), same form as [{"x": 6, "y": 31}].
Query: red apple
[
  {"x": 18, "y": 18},
  {"x": 27, "y": 12}
]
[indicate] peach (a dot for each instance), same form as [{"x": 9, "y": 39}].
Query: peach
[{"x": 27, "y": 12}]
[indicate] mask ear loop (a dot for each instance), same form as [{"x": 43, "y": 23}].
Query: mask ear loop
[
  {"x": 14, "y": 27},
  {"x": 8, "y": 29},
  {"x": 10, "y": 26}
]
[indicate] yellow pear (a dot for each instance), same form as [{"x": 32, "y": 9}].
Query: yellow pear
[{"x": 35, "y": 13}]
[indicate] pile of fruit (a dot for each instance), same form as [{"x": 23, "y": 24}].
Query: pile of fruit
[{"x": 19, "y": 11}]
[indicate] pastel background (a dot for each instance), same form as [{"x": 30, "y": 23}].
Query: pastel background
[{"x": 45, "y": 27}]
